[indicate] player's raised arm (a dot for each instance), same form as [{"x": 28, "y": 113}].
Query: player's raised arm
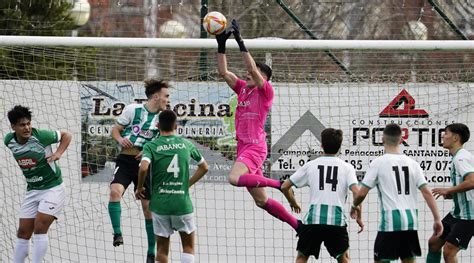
[
  {"x": 229, "y": 77},
  {"x": 250, "y": 64}
]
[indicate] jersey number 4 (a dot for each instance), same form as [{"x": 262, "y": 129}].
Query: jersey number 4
[
  {"x": 174, "y": 167},
  {"x": 407, "y": 179},
  {"x": 331, "y": 177}
]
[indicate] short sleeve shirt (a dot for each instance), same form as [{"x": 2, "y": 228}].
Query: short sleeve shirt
[
  {"x": 462, "y": 165},
  {"x": 32, "y": 158},
  {"x": 329, "y": 179},
  {"x": 397, "y": 178},
  {"x": 169, "y": 157}
]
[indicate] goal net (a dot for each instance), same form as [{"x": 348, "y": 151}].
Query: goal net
[{"x": 356, "y": 87}]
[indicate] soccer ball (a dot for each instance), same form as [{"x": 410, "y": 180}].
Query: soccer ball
[{"x": 214, "y": 23}]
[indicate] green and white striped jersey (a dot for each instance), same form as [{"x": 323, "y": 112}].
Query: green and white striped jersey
[
  {"x": 397, "y": 178},
  {"x": 462, "y": 165},
  {"x": 329, "y": 179},
  {"x": 32, "y": 158},
  {"x": 140, "y": 124}
]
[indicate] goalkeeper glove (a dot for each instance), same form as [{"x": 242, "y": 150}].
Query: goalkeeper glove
[
  {"x": 221, "y": 39},
  {"x": 235, "y": 30}
]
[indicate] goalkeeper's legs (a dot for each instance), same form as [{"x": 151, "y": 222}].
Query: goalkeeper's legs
[
  {"x": 272, "y": 206},
  {"x": 247, "y": 169},
  {"x": 241, "y": 176}
]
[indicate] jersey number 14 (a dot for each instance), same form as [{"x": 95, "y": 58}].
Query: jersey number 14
[{"x": 331, "y": 177}]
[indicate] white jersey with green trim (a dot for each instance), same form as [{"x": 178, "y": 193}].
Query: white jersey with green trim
[
  {"x": 397, "y": 178},
  {"x": 141, "y": 125},
  {"x": 461, "y": 166},
  {"x": 329, "y": 179}
]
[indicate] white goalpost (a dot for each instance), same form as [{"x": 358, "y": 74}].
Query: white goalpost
[
  {"x": 82, "y": 84},
  {"x": 262, "y": 44}
]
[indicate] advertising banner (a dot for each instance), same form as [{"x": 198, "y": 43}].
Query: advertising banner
[
  {"x": 361, "y": 111},
  {"x": 205, "y": 116}
]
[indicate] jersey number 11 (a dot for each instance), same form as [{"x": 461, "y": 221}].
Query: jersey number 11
[{"x": 407, "y": 179}]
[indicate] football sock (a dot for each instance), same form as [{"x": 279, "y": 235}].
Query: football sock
[
  {"x": 277, "y": 210},
  {"x": 151, "y": 236},
  {"x": 40, "y": 246},
  {"x": 252, "y": 181},
  {"x": 21, "y": 250},
  {"x": 187, "y": 258},
  {"x": 433, "y": 257},
  {"x": 114, "y": 212}
]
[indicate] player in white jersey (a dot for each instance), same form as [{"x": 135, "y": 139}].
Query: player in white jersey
[
  {"x": 397, "y": 177},
  {"x": 135, "y": 126},
  {"x": 329, "y": 179},
  {"x": 45, "y": 193},
  {"x": 459, "y": 223}
]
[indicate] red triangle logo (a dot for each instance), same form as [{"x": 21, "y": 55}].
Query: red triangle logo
[{"x": 408, "y": 110}]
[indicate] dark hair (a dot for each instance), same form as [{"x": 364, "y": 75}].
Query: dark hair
[
  {"x": 460, "y": 129},
  {"x": 153, "y": 86},
  {"x": 392, "y": 134},
  {"x": 331, "y": 140},
  {"x": 265, "y": 69},
  {"x": 17, "y": 113},
  {"x": 167, "y": 120}
]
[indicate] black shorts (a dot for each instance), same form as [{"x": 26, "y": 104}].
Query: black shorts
[
  {"x": 457, "y": 231},
  {"x": 397, "y": 244},
  {"x": 335, "y": 238},
  {"x": 126, "y": 171}
]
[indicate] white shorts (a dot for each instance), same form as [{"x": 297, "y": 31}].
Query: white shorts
[
  {"x": 165, "y": 225},
  {"x": 50, "y": 201}
]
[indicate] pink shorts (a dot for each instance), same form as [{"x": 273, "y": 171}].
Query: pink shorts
[{"x": 253, "y": 156}]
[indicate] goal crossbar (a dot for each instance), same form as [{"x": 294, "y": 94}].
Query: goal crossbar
[{"x": 255, "y": 44}]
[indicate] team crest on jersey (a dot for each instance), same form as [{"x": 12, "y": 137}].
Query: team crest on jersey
[
  {"x": 27, "y": 163},
  {"x": 145, "y": 134},
  {"x": 244, "y": 103}
]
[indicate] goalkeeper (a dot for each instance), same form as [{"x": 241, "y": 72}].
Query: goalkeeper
[{"x": 255, "y": 97}]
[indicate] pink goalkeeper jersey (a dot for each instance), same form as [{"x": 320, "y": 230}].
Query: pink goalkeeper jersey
[{"x": 253, "y": 105}]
